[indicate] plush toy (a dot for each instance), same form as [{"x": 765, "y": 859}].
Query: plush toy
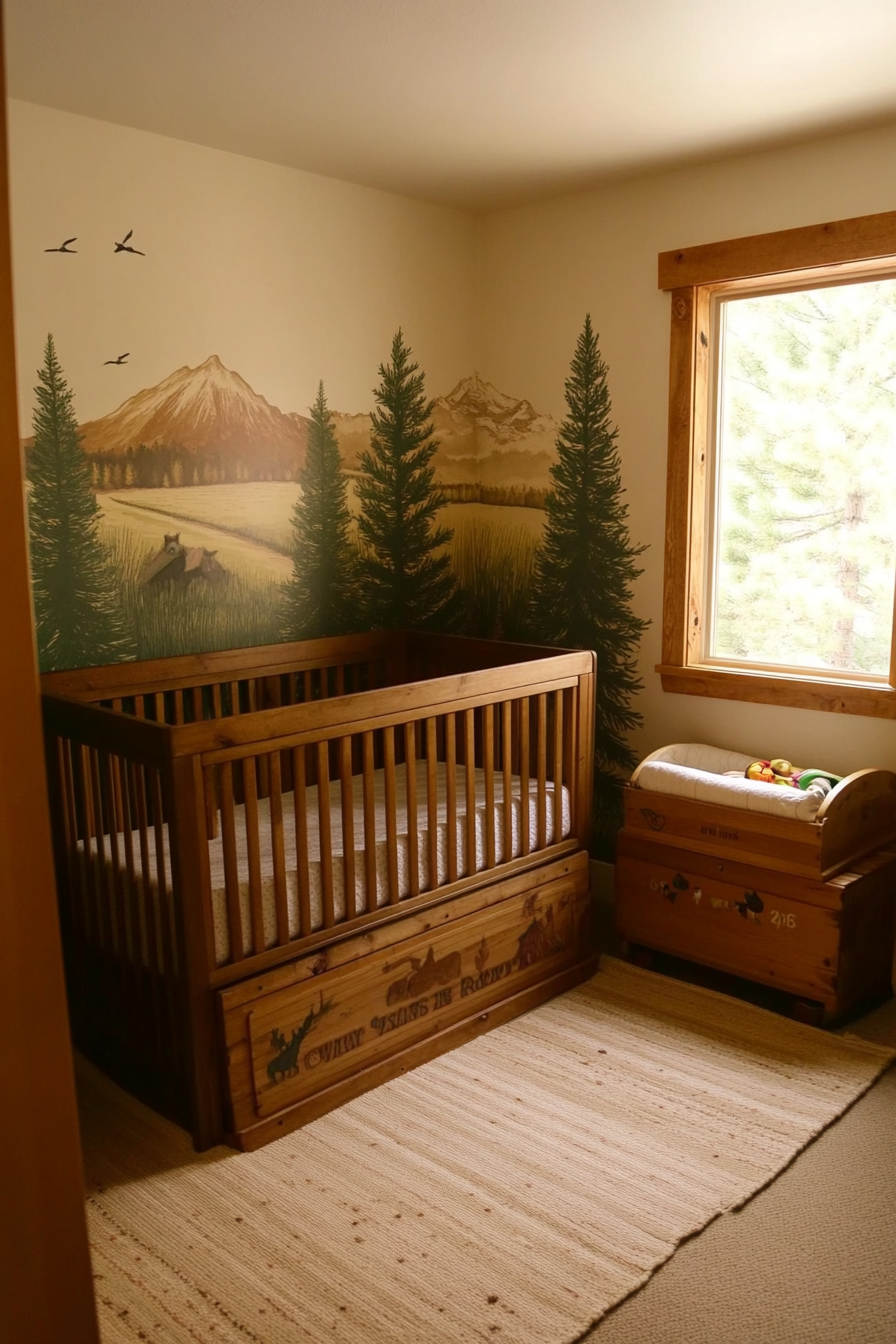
[{"x": 780, "y": 771}]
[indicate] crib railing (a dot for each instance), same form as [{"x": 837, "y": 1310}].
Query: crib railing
[
  {"x": 361, "y": 787},
  {"x": 152, "y": 764}
]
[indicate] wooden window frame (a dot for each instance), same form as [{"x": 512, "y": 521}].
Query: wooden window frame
[{"x": 819, "y": 253}]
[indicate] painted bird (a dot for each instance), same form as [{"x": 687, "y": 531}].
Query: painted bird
[
  {"x": 65, "y": 246},
  {"x": 123, "y": 245},
  {"x": 120, "y": 360}
]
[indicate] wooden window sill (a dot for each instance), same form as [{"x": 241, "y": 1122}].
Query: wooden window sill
[{"x": 767, "y": 688}]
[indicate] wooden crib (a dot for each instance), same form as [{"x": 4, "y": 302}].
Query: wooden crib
[{"x": 259, "y": 919}]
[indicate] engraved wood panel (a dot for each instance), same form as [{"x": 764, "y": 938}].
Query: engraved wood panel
[
  {"x": 831, "y": 942},
  {"x": 793, "y": 846},
  {"x": 286, "y": 1045}
]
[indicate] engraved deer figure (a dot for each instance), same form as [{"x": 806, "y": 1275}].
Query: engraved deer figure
[{"x": 285, "y": 1064}]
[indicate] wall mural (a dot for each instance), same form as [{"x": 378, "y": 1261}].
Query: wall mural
[
  {"x": 197, "y": 516},
  {"x": 227, "y": 521}
]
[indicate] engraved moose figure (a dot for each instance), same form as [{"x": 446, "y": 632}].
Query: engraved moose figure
[
  {"x": 286, "y": 1063},
  {"x": 423, "y": 975}
]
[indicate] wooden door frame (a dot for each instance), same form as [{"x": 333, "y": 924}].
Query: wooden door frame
[{"x": 46, "y": 1286}]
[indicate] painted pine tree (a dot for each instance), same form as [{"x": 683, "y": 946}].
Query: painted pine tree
[
  {"x": 584, "y": 571},
  {"x": 76, "y": 591},
  {"x": 321, "y": 597},
  {"x": 406, "y": 572}
]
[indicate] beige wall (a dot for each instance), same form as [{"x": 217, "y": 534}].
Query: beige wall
[
  {"x": 543, "y": 267},
  {"x": 290, "y": 277},
  {"x": 287, "y": 276}
]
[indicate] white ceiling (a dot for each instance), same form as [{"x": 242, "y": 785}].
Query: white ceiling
[{"x": 477, "y": 105}]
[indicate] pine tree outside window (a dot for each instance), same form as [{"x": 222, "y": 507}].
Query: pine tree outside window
[{"x": 780, "y": 571}]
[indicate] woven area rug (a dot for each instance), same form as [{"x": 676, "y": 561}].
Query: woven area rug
[{"x": 513, "y": 1190}]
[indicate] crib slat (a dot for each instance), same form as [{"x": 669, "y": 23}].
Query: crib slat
[
  {"x": 153, "y": 1034},
  {"x": 340, "y": 679},
  {"x": 326, "y": 844},
  {"x": 410, "y": 766},
  {"x": 117, "y": 809},
  {"x": 165, "y": 990},
  {"x": 79, "y": 865},
  {"x": 210, "y": 777},
  {"x": 145, "y": 930},
  {"x": 524, "y": 774},
  {"x": 391, "y": 813},
  {"x": 100, "y": 877},
  {"x": 217, "y": 705},
  {"x": 278, "y": 851},
  {"x": 432, "y": 805},
  {"x": 87, "y": 828},
  {"x": 163, "y": 905},
  {"x": 488, "y": 763},
  {"x": 130, "y": 910},
  {"x": 112, "y": 810},
  {"x": 506, "y": 763},
  {"x": 253, "y": 852},
  {"x": 130, "y": 871},
  {"x": 369, "y": 824},
  {"x": 234, "y": 697},
  {"x": 300, "y": 807},
  {"x": 196, "y": 702},
  {"x": 451, "y": 794},
  {"x": 470, "y": 783},
  {"x": 231, "y": 868},
  {"x": 542, "y": 753},
  {"x": 348, "y": 824},
  {"x": 556, "y": 831},
  {"x": 75, "y": 859}
]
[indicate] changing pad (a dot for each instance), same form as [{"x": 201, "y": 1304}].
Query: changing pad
[{"x": 695, "y": 770}]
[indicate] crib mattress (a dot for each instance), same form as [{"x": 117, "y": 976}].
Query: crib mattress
[{"x": 357, "y": 899}]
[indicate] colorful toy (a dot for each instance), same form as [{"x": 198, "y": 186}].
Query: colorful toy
[{"x": 781, "y": 771}]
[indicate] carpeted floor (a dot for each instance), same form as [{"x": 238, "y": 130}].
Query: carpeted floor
[{"x": 516, "y": 1189}]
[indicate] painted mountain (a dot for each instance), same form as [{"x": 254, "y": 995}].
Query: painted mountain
[
  {"x": 198, "y": 426},
  {"x": 511, "y": 444},
  {"x": 206, "y": 425},
  {"x": 484, "y": 436}
]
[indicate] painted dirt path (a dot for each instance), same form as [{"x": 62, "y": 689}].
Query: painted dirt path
[{"x": 149, "y": 526}]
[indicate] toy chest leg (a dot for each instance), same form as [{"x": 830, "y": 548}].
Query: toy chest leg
[{"x": 831, "y": 942}]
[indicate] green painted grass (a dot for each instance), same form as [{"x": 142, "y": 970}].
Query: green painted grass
[
  {"x": 494, "y": 565},
  {"x": 168, "y": 620}
]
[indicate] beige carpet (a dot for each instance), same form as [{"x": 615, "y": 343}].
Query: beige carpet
[{"x": 513, "y": 1190}]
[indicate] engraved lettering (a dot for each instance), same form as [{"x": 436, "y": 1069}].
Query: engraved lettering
[
  {"x": 338, "y": 1046},
  {"x": 488, "y": 976},
  {"x": 392, "y": 1021}
]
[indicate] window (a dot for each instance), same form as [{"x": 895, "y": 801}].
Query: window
[{"x": 780, "y": 563}]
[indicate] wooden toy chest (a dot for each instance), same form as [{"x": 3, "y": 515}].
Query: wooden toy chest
[{"x": 805, "y": 906}]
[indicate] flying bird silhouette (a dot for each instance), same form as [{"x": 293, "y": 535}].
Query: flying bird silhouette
[
  {"x": 120, "y": 360},
  {"x": 65, "y": 246},
  {"x": 123, "y": 245}
]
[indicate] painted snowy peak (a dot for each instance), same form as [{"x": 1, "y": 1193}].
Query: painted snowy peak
[
  {"x": 206, "y": 410},
  {"x": 505, "y": 420}
]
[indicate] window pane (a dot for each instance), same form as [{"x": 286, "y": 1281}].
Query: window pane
[{"x": 804, "y": 560}]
